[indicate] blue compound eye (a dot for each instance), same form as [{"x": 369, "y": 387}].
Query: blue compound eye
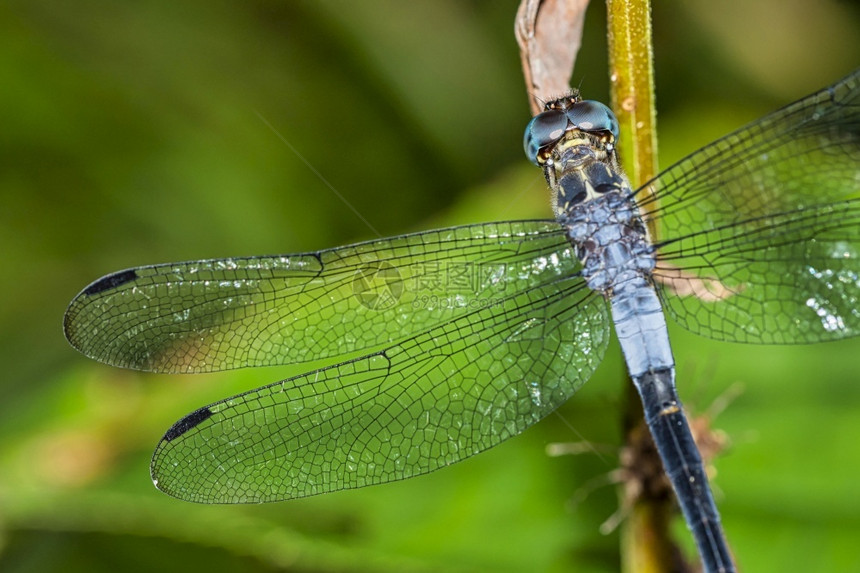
[
  {"x": 543, "y": 130},
  {"x": 592, "y": 115}
]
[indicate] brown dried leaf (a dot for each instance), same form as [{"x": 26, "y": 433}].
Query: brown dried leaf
[
  {"x": 684, "y": 283},
  {"x": 549, "y": 33}
]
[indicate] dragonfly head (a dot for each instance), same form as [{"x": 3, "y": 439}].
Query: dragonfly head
[
  {"x": 565, "y": 117},
  {"x": 573, "y": 140}
]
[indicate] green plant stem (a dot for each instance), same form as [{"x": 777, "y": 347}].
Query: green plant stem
[
  {"x": 632, "y": 76},
  {"x": 646, "y": 542}
]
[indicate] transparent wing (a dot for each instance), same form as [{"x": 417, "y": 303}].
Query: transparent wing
[
  {"x": 758, "y": 234},
  {"x": 427, "y": 402},
  {"x": 220, "y": 314}
]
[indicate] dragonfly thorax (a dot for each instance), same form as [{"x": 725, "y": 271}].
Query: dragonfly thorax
[
  {"x": 611, "y": 241},
  {"x": 582, "y": 168},
  {"x": 592, "y": 198}
]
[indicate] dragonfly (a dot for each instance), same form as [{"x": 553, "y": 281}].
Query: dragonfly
[{"x": 445, "y": 343}]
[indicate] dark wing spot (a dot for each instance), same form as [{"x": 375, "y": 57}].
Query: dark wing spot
[
  {"x": 186, "y": 423},
  {"x": 111, "y": 281}
]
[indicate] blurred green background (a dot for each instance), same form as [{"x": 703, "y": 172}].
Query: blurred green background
[{"x": 135, "y": 133}]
